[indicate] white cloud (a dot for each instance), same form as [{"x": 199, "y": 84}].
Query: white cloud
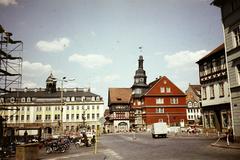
[
  {"x": 36, "y": 69},
  {"x": 184, "y": 59},
  {"x": 93, "y": 34},
  {"x": 57, "y": 45},
  {"x": 111, "y": 78},
  {"x": 90, "y": 60},
  {"x": 8, "y": 2},
  {"x": 29, "y": 84}
]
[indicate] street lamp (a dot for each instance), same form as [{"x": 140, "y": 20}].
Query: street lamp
[{"x": 64, "y": 79}]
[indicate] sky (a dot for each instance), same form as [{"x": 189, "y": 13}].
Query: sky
[{"x": 96, "y": 42}]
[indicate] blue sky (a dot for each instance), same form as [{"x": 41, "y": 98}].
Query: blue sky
[{"x": 96, "y": 41}]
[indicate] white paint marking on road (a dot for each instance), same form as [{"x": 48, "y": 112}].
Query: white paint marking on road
[
  {"x": 69, "y": 156},
  {"x": 111, "y": 154}
]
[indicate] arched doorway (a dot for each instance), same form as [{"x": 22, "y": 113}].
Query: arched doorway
[{"x": 122, "y": 127}]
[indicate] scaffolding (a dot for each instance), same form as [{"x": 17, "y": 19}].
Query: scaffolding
[{"x": 10, "y": 62}]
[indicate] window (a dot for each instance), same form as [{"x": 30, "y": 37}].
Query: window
[
  {"x": 214, "y": 69},
  {"x": 17, "y": 117},
  {"x": 238, "y": 73},
  {"x": 72, "y": 116},
  {"x": 48, "y": 117},
  {"x": 159, "y": 110},
  {"x": 77, "y": 107},
  {"x": 97, "y": 107},
  {"x": 72, "y": 107},
  {"x": 160, "y": 120},
  {"x": 57, "y": 116},
  {"x": 67, "y": 128},
  {"x": 212, "y": 120},
  {"x": 168, "y": 89},
  {"x": 38, "y": 117},
  {"x": 72, "y": 98},
  {"x": 223, "y": 66},
  {"x": 77, "y": 116},
  {"x": 88, "y": 116},
  {"x": 28, "y": 99},
  {"x": 162, "y": 90},
  {"x": 204, "y": 93},
  {"x": 22, "y": 108},
  {"x": 23, "y": 99},
  {"x": 67, "y": 107},
  {"x": 22, "y": 117},
  {"x": 28, "y": 108},
  {"x": 12, "y": 99},
  {"x": 93, "y": 116},
  {"x": 97, "y": 115},
  {"x": 211, "y": 91},
  {"x": 83, "y": 107},
  {"x": 159, "y": 100},
  {"x": 174, "y": 100},
  {"x": 67, "y": 116},
  {"x": 67, "y": 99},
  {"x": 195, "y": 104},
  {"x": 224, "y": 120},
  {"x": 189, "y": 104},
  {"x": 28, "y": 117},
  {"x": 2, "y": 100},
  {"x": 138, "y": 91},
  {"x": 236, "y": 36},
  {"x": 88, "y": 107},
  {"x": 93, "y": 107},
  {"x": 221, "y": 90}
]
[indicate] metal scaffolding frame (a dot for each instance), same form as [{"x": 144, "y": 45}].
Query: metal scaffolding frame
[{"x": 10, "y": 62}]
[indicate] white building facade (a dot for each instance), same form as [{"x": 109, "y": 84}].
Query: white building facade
[{"x": 55, "y": 111}]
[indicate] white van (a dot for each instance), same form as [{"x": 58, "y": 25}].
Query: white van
[{"x": 159, "y": 129}]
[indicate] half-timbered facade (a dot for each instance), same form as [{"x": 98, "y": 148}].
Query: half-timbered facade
[
  {"x": 119, "y": 109},
  {"x": 215, "y": 91},
  {"x": 193, "y": 100},
  {"x": 230, "y": 10}
]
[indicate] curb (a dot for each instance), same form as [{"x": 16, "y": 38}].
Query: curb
[{"x": 225, "y": 146}]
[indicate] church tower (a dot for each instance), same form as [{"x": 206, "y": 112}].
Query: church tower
[
  {"x": 51, "y": 84},
  {"x": 140, "y": 80}
]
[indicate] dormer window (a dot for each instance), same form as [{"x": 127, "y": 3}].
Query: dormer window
[
  {"x": 83, "y": 98},
  {"x": 1, "y": 100},
  {"x": 28, "y": 99},
  {"x": 98, "y": 98},
  {"x": 119, "y": 99},
  {"x": 12, "y": 99},
  {"x": 68, "y": 99},
  {"x": 72, "y": 99},
  {"x": 23, "y": 99},
  {"x": 93, "y": 98}
]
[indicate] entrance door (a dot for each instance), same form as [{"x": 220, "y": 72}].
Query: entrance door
[{"x": 122, "y": 127}]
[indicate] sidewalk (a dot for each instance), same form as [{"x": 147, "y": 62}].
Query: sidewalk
[{"x": 223, "y": 144}]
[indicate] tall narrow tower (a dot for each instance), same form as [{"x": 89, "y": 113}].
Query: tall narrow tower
[
  {"x": 140, "y": 80},
  {"x": 51, "y": 84}
]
